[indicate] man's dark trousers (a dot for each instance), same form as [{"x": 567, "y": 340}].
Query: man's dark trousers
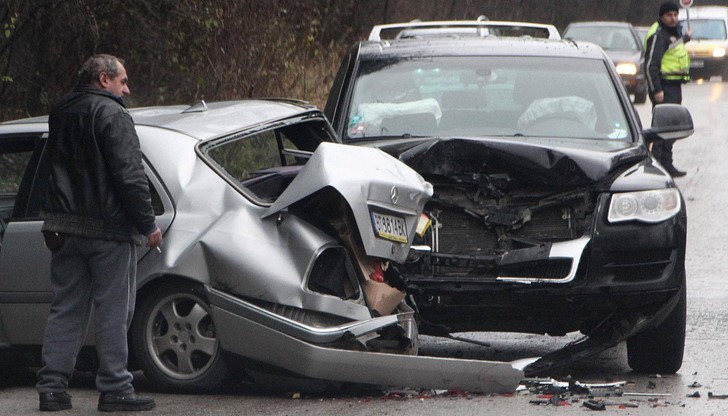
[
  {"x": 86, "y": 270},
  {"x": 662, "y": 149}
]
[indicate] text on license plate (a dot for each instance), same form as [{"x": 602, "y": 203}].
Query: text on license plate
[{"x": 389, "y": 227}]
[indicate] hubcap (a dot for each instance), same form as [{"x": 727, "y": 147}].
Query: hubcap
[{"x": 181, "y": 337}]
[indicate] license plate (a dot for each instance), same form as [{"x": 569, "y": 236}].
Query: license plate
[
  {"x": 389, "y": 227},
  {"x": 697, "y": 64}
]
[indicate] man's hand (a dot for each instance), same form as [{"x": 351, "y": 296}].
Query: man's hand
[
  {"x": 659, "y": 96},
  {"x": 155, "y": 238}
]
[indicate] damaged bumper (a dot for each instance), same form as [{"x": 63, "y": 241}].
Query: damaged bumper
[{"x": 311, "y": 352}]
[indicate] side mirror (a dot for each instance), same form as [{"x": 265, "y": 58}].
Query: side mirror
[{"x": 669, "y": 122}]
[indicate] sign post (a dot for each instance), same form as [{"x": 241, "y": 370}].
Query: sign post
[{"x": 686, "y": 5}]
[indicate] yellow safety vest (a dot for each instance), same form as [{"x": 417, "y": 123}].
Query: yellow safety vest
[{"x": 675, "y": 64}]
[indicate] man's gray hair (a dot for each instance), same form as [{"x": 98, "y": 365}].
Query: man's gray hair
[{"x": 95, "y": 65}]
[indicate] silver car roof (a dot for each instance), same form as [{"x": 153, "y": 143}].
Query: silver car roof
[
  {"x": 205, "y": 121},
  {"x": 217, "y": 118}
]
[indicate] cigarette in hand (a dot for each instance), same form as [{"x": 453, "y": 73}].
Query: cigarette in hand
[{"x": 159, "y": 250}]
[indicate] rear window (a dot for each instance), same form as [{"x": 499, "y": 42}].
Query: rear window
[
  {"x": 486, "y": 96},
  {"x": 264, "y": 163},
  {"x": 608, "y": 37}
]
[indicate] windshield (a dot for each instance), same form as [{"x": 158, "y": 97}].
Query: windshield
[
  {"x": 706, "y": 28},
  {"x": 485, "y": 96},
  {"x": 608, "y": 37}
]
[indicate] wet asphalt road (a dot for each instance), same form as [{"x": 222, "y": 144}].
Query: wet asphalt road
[{"x": 704, "y": 156}]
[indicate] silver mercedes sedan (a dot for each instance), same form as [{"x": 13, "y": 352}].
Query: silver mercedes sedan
[{"x": 281, "y": 248}]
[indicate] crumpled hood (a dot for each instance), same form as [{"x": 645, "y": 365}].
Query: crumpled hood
[{"x": 551, "y": 161}]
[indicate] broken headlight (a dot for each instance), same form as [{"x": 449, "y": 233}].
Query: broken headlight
[{"x": 646, "y": 206}]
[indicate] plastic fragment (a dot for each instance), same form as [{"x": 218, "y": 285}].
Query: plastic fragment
[{"x": 594, "y": 405}]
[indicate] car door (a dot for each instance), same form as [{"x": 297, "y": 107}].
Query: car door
[
  {"x": 24, "y": 261},
  {"x": 25, "y": 288}
]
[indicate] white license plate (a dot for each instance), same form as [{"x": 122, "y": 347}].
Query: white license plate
[
  {"x": 697, "y": 64},
  {"x": 389, "y": 227}
]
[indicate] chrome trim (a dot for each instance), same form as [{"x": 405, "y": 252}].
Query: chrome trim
[{"x": 572, "y": 249}]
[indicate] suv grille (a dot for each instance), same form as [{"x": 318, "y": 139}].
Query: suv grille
[{"x": 461, "y": 233}]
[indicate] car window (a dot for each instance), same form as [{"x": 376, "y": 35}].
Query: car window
[
  {"x": 493, "y": 96},
  {"x": 157, "y": 204},
  {"x": 609, "y": 38},
  {"x": 244, "y": 159},
  {"x": 264, "y": 163},
  {"x": 18, "y": 159},
  {"x": 707, "y": 28}
]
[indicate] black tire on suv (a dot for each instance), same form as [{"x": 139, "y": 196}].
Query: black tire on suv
[{"x": 660, "y": 350}]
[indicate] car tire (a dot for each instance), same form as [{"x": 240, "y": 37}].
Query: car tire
[
  {"x": 640, "y": 97},
  {"x": 175, "y": 342},
  {"x": 660, "y": 350}
]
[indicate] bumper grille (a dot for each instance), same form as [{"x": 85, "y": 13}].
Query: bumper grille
[
  {"x": 637, "y": 266},
  {"x": 483, "y": 269},
  {"x": 548, "y": 269}
]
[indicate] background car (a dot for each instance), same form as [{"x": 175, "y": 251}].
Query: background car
[
  {"x": 707, "y": 48},
  {"x": 549, "y": 214},
  {"x": 642, "y": 32},
  {"x": 623, "y": 45},
  {"x": 272, "y": 231}
]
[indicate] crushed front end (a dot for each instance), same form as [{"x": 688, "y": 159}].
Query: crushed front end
[{"x": 522, "y": 241}]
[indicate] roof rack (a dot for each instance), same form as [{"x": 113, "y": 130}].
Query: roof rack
[{"x": 455, "y": 27}]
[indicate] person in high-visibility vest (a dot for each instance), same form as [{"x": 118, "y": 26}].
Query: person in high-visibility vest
[{"x": 667, "y": 67}]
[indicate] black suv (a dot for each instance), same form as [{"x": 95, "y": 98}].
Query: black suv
[{"x": 549, "y": 213}]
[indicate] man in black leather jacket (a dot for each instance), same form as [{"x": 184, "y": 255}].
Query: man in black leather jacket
[{"x": 98, "y": 203}]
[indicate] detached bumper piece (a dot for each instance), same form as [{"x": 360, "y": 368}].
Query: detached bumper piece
[{"x": 260, "y": 335}]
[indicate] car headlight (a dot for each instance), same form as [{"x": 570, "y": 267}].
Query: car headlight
[
  {"x": 718, "y": 52},
  {"x": 646, "y": 206},
  {"x": 626, "y": 69}
]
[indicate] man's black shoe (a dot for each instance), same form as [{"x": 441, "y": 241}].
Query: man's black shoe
[
  {"x": 114, "y": 402},
  {"x": 54, "y": 401},
  {"x": 675, "y": 173}
]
